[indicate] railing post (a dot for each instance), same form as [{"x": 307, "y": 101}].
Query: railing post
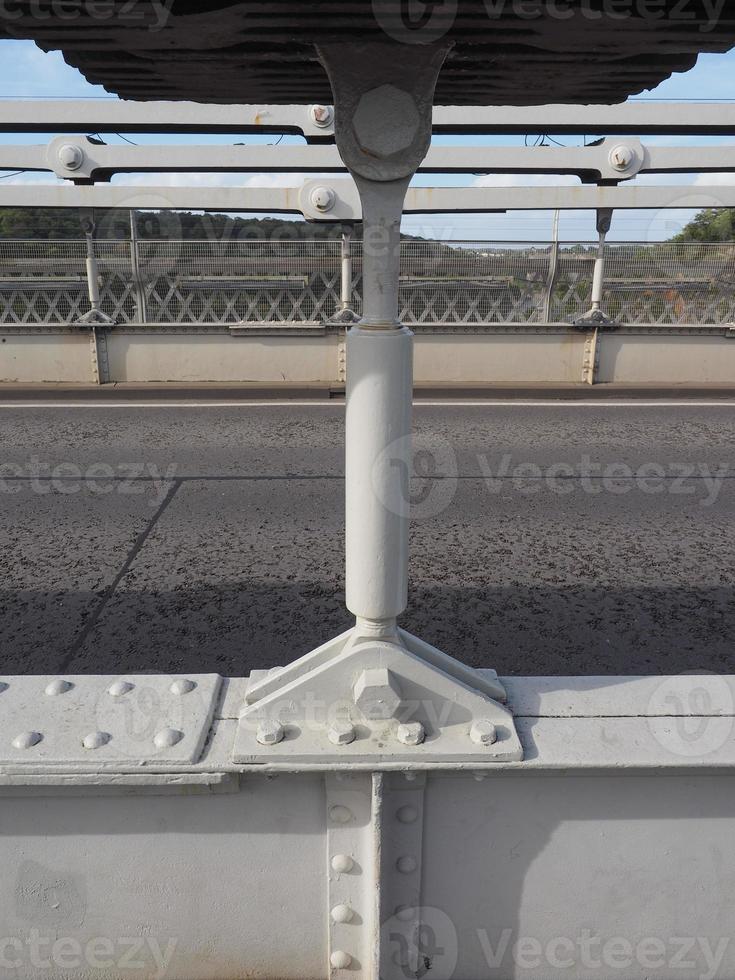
[
  {"x": 346, "y": 282},
  {"x": 97, "y": 321},
  {"x": 138, "y": 284},
  {"x": 553, "y": 263},
  {"x": 93, "y": 286}
]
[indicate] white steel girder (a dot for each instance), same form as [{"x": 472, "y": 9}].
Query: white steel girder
[
  {"x": 345, "y": 205},
  {"x": 317, "y": 122},
  {"x": 606, "y": 852},
  {"x": 74, "y": 156}
]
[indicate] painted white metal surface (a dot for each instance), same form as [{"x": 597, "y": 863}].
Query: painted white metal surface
[
  {"x": 443, "y": 356},
  {"x": 189, "y": 117},
  {"x": 101, "y": 722},
  {"x": 606, "y": 852},
  {"x": 378, "y": 464}
]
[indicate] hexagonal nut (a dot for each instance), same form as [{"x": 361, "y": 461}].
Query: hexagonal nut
[
  {"x": 386, "y": 121},
  {"x": 377, "y": 693},
  {"x": 622, "y": 157},
  {"x": 341, "y": 733},
  {"x": 411, "y": 733},
  {"x": 270, "y": 733},
  {"x": 483, "y": 732}
]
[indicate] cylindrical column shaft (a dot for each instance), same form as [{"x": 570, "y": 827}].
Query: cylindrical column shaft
[
  {"x": 93, "y": 286},
  {"x": 346, "y": 284},
  {"x": 598, "y": 276},
  {"x": 378, "y": 469}
]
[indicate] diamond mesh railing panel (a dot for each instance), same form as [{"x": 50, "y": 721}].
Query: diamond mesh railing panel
[
  {"x": 472, "y": 282},
  {"x": 670, "y": 282},
  {"x": 228, "y": 282},
  {"x": 219, "y": 282}
]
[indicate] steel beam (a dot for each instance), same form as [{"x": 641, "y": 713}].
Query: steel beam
[
  {"x": 345, "y": 206},
  {"x": 110, "y": 115},
  {"x": 75, "y": 157}
]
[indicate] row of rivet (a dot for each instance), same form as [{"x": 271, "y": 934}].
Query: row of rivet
[
  {"x": 482, "y": 732},
  {"x": 164, "y": 739},
  {"x": 343, "y": 863},
  {"x": 117, "y": 690}
]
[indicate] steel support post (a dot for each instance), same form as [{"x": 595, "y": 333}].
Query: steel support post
[
  {"x": 383, "y": 132},
  {"x": 553, "y": 264},
  {"x": 594, "y": 317},
  {"x": 95, "y": 319},
  {"x": 139, "y": 285},
  {"x": 346, "y": 272}
]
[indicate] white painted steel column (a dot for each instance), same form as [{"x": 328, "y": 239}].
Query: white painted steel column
[
  {"x": 378, "y": 420},
  {"x": 346, "y": 282},
  {"x": 93, "y": 286},
  {"x": 598, "y": 274},
  {"x": 378, "y": 468},
  {"x": 383, "y": 104}
]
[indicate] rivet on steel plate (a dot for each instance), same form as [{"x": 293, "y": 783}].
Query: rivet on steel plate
[
  {"x": 340, "y": 960},
  {"x": 167, "y": 737},
  {"x": 58, "y": 686},
  {"x": 407, "y": 814},
  {"x": 120, "y": 688},
  {"x": 95, "y": 740},
  {"x": 342, "y": 863},
  {"x": 182, "y": 686},
  {"x": 407, "y": 864},
  {"x": 27, "y": 740},
  {"x": 340, "y": 814},
  {"x": 342, "y": 913}
]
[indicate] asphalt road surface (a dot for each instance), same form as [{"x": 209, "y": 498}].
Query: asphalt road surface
[{"x": 547, "y": 539}]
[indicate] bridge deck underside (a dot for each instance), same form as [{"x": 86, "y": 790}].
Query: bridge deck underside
[{"x": 260, "y": 50}]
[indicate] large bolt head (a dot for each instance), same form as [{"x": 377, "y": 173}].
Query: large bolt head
[
  {"x": 270, "y": 733},
  {"x": 412, "y": 733},
  {"x": 321, "y": 115},
  {"x": 483, "y": 732},
  {"x": 341, "y": 733},
  {"x": 622, "y": 157},
  {"x": 322, "y": 198},
  {"x": 386, "y": 121},
  {"x": 377, "y": 693},
  {"x": 70, "y": 156}
]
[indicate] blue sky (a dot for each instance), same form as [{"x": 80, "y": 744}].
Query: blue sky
[{"x": 26, "y": 72}]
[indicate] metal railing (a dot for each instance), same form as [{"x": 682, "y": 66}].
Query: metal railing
[{"x": 472, "y": 283}]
